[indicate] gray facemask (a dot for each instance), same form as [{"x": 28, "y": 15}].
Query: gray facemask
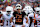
[
  {"x": 38, "y": 12},
  {"x": 8, "y": 12}
]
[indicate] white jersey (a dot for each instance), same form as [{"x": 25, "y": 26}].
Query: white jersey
[
  {"x": 31, "y": 15},
  {"x": 37, "y": 17},
  {"x": 6, "y": 17}
]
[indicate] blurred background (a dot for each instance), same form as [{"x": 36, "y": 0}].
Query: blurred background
[{"x": 5, "y": 3}]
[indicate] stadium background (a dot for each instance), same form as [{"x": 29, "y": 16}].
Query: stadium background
[{"x": 4, "y": 3}]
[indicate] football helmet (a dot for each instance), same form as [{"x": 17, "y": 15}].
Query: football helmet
[
  {"x": 31, "y": 10},
  {"x": 37, "y": 10},
  {"x": 9, "y": 9},
  {"x": 18, "y": 6},
  {"x": 28, "y": 9}
]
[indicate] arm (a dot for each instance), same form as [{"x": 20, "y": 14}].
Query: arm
[
  {"x": 25, "y": 17},
  {"x": 34, "y": 18},
  {"x": 27, "y": 20},
  {"x": 12, "y": 16},
  {"x": 11, "y": 19}
]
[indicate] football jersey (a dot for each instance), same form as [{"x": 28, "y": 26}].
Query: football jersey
[
  {"x": 31, "y": 15},
  {"x": 6, "y": 17},
  {"x": 19, "y": 17},
  {"x": 37, "y": 18}
]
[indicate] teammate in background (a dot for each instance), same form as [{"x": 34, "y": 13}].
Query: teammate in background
[
  {"x": 7, "y": 16},
  {"x": 28, "y": 10},
  {"x": 37, "y": 17},
  {"x": 19, "y": 16},
  {"x": 31, "y": 20}
]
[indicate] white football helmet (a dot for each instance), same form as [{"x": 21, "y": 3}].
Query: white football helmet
[
  {"x": 18, "y": 6},
  {"x": 9, "y": 9},
  {"x": 28, "y": 9},
  {"x": 37, "y": 10}
]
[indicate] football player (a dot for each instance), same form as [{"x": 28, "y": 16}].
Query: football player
[
  {"x": 35, "y": 17},
  {"x": 31, "y": 19},
  {"x": 19, "y": 16},
  {"x": 7, "y": 15},
  {"x": 28, "y": 10},
  {"x": 1, "y": 19}
]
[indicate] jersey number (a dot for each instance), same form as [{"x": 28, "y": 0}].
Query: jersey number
[{"x": 18, "y": 18}]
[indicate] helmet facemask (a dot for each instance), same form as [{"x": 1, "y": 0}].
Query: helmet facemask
[
  {"x": 9, "y": 9},
  {"x": 8, "y": 12},
  {"x": 38, "y": 12},
  {"x": 18, "y": 6}
]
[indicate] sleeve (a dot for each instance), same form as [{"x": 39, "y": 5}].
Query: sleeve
[
  {"x": 13, "y": 14},
  {"x": 29, "y": 16},
  {"x": 28, "y": 19},
  {"x": 25, "y": 14}
]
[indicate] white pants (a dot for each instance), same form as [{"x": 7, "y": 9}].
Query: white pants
[{"x": 5, "y": 22}]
